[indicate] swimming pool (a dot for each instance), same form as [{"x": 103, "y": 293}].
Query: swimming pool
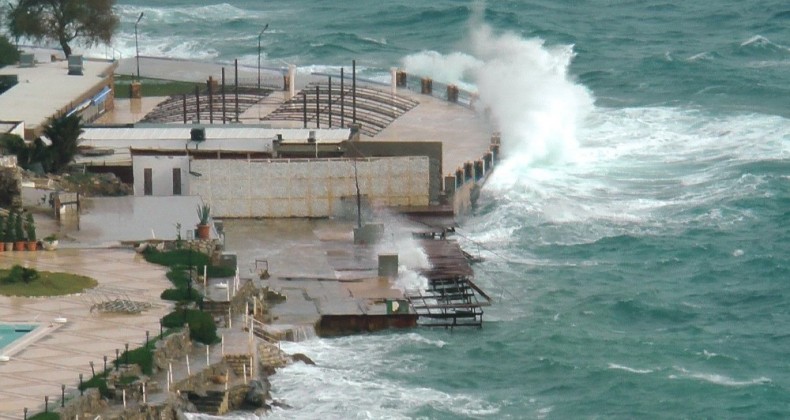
[{"x": 12, "y": 332}]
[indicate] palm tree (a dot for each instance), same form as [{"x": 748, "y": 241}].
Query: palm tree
[{"x": 64, "y": 133}]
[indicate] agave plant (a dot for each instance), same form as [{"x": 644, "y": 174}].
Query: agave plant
[{"x": 204, "y": 213}]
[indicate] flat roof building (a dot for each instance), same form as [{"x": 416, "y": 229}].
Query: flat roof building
[{"x": 47, "y": 89}]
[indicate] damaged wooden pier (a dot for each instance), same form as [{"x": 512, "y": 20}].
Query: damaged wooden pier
[{"x": 452, "y": 299}]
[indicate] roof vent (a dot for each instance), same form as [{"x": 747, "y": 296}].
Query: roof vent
[
  {"x": 75, "y": 65},
  {"x": 197, "y": 134}
]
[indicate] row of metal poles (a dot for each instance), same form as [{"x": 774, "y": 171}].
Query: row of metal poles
[
  {"x": 317, "y": 104},
  {"x": 329, "y": 101}
]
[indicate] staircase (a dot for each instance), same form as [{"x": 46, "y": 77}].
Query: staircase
[
  {"x": 270, "y": 356},
  {"x": 216, "y": 309},
  {"x": 214, "y": 402},
  {"x": 238, "y": 363}
]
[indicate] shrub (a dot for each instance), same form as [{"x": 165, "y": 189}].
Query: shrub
[
  {"x": 19, "y": 274},
  {"x": 182, "y": 295},
  {"x": 201, "y": 325},
  {"x": 9, "y": 54}
]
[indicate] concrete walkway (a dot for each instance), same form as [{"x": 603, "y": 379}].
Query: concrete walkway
[{"x": 60, "y": 354}]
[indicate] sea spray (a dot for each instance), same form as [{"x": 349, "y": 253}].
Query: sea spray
[
  {"x": 524, "y": 88},
  {"x": 398, "y": 239}
]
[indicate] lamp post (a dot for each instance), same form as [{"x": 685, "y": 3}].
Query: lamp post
[
  {"x": 259, "y": 55},
  {"x": 136, "y": 46}
]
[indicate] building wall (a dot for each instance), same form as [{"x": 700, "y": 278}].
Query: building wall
[
  {"x": 307, "y": 187},
  {"x": 162, "y": 174},
  {"x": 433, "y": 150}
]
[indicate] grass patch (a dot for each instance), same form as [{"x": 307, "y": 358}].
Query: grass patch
[
  {"x": 143, "y": 356},
  {"x": 46, "y": 284},
  {"x": 154, "y": 87},
  {"x": 100, "y": 382},
  {"x": 45, "y": 416}
]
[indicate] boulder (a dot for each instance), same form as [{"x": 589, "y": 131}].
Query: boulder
[{"x": 299, "y": 357}]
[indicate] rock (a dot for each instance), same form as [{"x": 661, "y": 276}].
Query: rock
[
  {"x": 281, "y": 404},
  {"x": 258, "y": 393},
  {"x": 299, "y": 357},
  {"x": 218, "y": 379}
]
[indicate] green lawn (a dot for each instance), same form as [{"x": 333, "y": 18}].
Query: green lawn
[
  {"x": 47, "y": 284},
  {"x": 154, "y": 87}
]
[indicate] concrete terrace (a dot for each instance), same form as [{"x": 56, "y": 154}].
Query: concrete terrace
[
  {"x": 465, "y": 133},
  {"x": 62, "y": 352}
]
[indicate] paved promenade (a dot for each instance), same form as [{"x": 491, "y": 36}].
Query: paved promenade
[{"x": 57, "y": 353}]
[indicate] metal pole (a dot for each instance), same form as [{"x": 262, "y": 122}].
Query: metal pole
[
  {"x": 210, "y": 100},
  {"x": 330, "y": 101},
  {"x": 304, "y": 108},
  {"x": 354, "y": 91},
  {"x": 259, "y": 57},
  {"x": 136, "y": 46},
  {"x": 236, "y": 81},
  {"x": 223, "y": 95},
  {"x": 342, "y": 100},
  {"x": 185, "y": 108},
  {"x": 62, "y": 396},
  {"x": 197, "y": 103},
  {"x": 317, "y": 109}
]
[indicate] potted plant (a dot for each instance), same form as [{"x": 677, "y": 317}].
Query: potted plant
[
  {"x": 203, "y": 228},
  {"x": 51, "y": 242},
  {"x": 8, "y": 239},
  {"x": 30, "y": 228},
  {"x": 19, "y": 233}
]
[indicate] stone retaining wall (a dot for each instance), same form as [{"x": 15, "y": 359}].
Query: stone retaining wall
[{"x": 173, "y": 347}]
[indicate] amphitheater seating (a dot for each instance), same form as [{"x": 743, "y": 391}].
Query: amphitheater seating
[
  {"x": 375, "y": 109},
  {"x": 172, "y": 109}
]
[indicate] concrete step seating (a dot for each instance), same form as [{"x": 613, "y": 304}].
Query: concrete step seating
[
  {"x": 172, "y": 109},
  {"x": 375, "y": 109}
]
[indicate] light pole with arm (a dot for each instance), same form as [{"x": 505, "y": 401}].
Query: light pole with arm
[
  {"x": 259, "y": 55},
  {"x": 136, "y": 46}
]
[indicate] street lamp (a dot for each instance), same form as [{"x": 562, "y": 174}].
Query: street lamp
[
  {"x": 259, "y": 55},
  {"x": 136, "y": 46}
]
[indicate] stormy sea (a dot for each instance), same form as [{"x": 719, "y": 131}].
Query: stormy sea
[{"x": 636, "y": 236}]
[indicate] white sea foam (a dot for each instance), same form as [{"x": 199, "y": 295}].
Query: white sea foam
[
  {"x": 348, "y": 378},
  {"x": 719, "y": 379},
  {"x": 638, "y": 171},
  {"x": 524, "y": 86},
  {"x": 629, "y": 369}
]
